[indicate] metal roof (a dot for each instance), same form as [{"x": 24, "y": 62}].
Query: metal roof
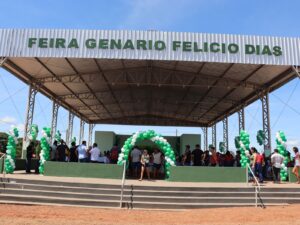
[{"x": 160, "y": 89}]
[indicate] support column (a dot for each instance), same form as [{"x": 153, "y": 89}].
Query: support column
[
  {"x": 28, "y": 118},
  {"x": 81, "y": 132},
  {"x": 91, "y": 128},
  {"x": 55, "y": 107},
  {"x": 205, "y": 138},
  {"x": 266, "y": 120},
  {"x": 225, "y": 133},
  {"x": 2, "y": 61},
  {"x": 69, "y": 132},
  {"x": 214, "y": 135},
  {"x": 241, "y": 114}
]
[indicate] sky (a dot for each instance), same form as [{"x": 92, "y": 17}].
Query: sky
[{"x": 268, "y": 17}]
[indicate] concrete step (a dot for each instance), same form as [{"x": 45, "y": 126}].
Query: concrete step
[
  {"x": 117, "y": 191},
  {"x": 129, "y": 187},
  {"x": 126, "y": 204},
  {"x": 69, "y": 201},
  {"x": 27, "y": 191},
  {"x": 148, "y": 199},
  {"x": 153, "y": 193},
  {"x": 167, "y": 206}
]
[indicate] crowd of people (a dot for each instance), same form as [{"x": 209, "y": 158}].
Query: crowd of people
[
  {"x": 263, "y": 167},
  {"x": 141, "y": 161},
  {"x": 59, "y": 151}
]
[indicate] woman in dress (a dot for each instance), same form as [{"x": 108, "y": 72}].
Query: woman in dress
[
  {"x": 145, "y": 158},
  {"x": 297, "y": 164}
]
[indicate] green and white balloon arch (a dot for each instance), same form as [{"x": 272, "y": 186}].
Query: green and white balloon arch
[{"x": 161, "y": 142}]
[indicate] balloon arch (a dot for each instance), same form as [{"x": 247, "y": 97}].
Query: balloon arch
[{"x": 161, "y": 142}]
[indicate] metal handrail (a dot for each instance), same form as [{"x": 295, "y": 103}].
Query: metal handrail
[
  {"x": 257, "y": 187},
  {"x": 123, "y": 183},
  {"x": 4, "y": 171}
]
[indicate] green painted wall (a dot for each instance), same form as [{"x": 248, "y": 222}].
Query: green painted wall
[
  {"x": 105, "y": 140},
  {"x": 292, "y": 177},
  {"x": 20, "y": 164},
  {"x": 189, "y": 139},
  {"x": 89, "y": 170},
  {"x": 207, "y": 174}
]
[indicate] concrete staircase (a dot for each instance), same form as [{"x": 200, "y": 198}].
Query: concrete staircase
[{"x": 41, "y": 192}]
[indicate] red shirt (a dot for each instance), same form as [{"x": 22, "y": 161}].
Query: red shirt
[{"x": 259, "y": 158}]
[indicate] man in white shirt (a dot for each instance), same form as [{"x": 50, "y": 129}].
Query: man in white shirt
[
  {"x": 95, "y": 153},
  {"x": 82, "y": 152},
  {"x": 135, "y": 160},
  {"x": 276, "y": 160}
]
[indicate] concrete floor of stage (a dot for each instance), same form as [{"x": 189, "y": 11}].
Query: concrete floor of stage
[{"x": 164, "y": 183}]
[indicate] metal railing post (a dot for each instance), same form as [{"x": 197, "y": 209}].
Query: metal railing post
[
  {"x": 257, "y": 188},
  {"x": 247, "y": 176},
  {"x": 4, "y": 171},
  {"x": 123, "y": 182},
  {"x": 256, "y": 195}
]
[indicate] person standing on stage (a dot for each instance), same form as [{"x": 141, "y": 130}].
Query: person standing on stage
[
  {"x": 145, "y": 159},
  {"x": 62, "y": 149},
  {"x": 186, "y": 161},
  {"x": 297, "y": 164},
  {"x": 95, "y": 153},
  {"x": 53, "y": 151},
  {"x": 73, "y": 153},
  {"x": 157, "y": 158},
  {"x": 29, "y": 152},
  {"x": 276, "y": 160},
  {"x": 214, "y": 157},
  {"x": 82, "y": 152},
  {"x": 197, "y": 156},
  {"x": 135, "y": 160}
]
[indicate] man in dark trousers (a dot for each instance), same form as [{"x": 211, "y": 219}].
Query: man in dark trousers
[
  {"x": 197, "y": 155},
  {"x": 29, "y": 153},
  {"x": 61, "y": 151}
]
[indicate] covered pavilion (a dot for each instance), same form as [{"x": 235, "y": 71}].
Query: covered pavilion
[{"x": 149, "y": 77}]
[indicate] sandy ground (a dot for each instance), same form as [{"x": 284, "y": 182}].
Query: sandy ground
[{"x": 54, "y": 215}]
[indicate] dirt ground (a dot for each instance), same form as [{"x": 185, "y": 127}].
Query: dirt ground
[{"x": 54, "y": 215}]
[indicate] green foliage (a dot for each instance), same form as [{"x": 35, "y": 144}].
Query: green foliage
[
  {"x": 45, "y": 148},
  {"x": 222, "y": 147},
  {"x": 11, "y": 150},
  {"x": 237, "y": 142},
  {"x": 260, "y": 137},
  {"x": 280, "y": 141},
  {"x": 244, "y": 148}
]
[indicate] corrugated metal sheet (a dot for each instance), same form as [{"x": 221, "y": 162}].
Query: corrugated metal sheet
[{"x": 14, "y": 43}]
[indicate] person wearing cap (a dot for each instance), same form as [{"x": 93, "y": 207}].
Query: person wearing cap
[{"x": 186, "y": 161}]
